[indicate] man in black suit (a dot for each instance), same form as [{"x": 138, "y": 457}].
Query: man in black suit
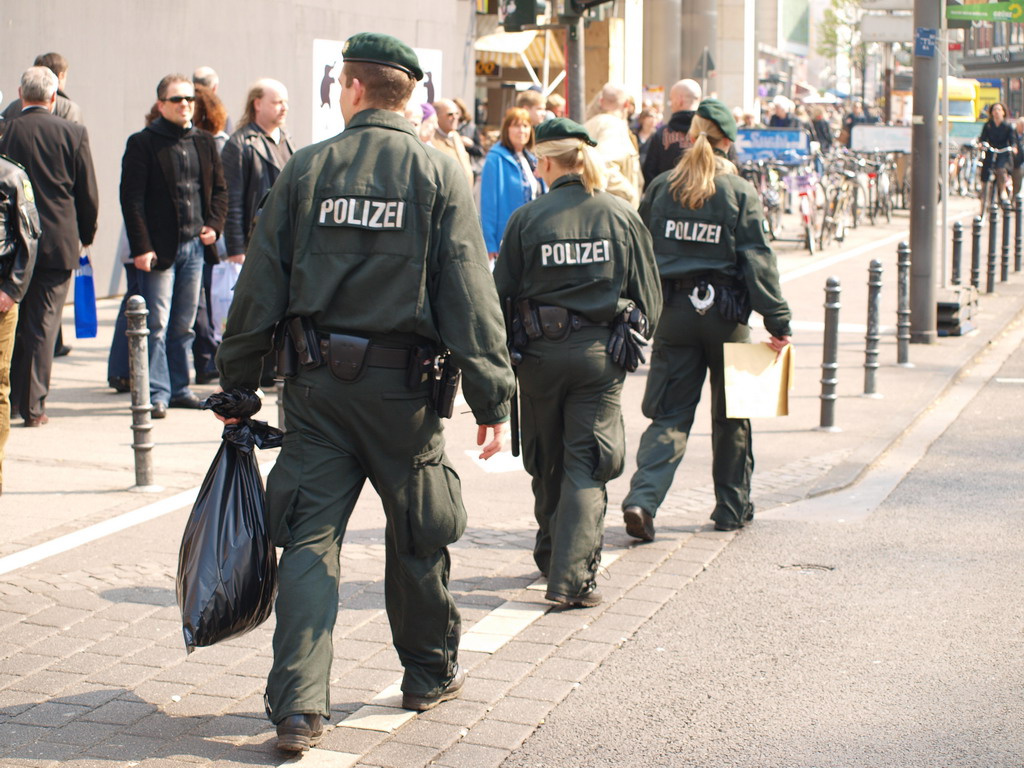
[
  {"x": 64, "y": 107},
  {"x": 55, "y": 152},
  {"x": 174, "y": 202}
]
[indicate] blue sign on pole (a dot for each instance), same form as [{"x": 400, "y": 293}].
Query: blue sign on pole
[
  {"x": 925, "y": 42},
  {"x": 784, "y": 144}
]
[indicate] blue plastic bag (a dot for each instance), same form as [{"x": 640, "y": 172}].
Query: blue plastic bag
[{"x": 85, "y": 300}]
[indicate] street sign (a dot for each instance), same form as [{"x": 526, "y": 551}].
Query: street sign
[
  {"x": 925, "y": 40},
  {"x": 783, "y": 144},
  {"x": 1011, "y": 11},
  {"x": 887, "y": 5},
  {"x": 886, "y": 28},
  {"x": 880, "y": 138}
]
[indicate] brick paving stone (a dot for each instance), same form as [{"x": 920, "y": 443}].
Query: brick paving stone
[
  {"x": 24, "y": 634},
  {"x": 158, "y": 693},
  {"x": 355, "y": 741},
  {"x": 50, "y": 714},
  {"x": 625, "y": 623},
  {"x": 493, "y": 733},
  {"x": 251, "y": 706},
  {"x": 82, "y": 663},
  {"x": 539, "y": 632},
  {"x": 562, "y": 668},
  {"x": 386, "y": 658},
  {"x": 470, "y": 659},
  {"x": 80, "y": 732},
  {"x": 661, "y": 578},
  {"x": 58, "y": 616},
  {"x": 635, "y": 608},
  {"x": 127, "y": 748},
  {"x": 95, "y": 629},
  {"x": 59, "y": 646},
  {"x": 232, "y": 686},
  {"x": 152, "y": 655},
  {"x": 121, "y": 646},
  {"x": 458, "y": 712},
  {"x": 222, "y": 654},
  {"x": 46, "y": 682},
  {"x": 232, "y": 729},
  {"x": 159, "y": 724},
  {"x": 424, "y": 733},
  {"x": 120, "y": 712},
  {"x": 481, "y": 599},
  {"x": 373, "y": 632},
  {"x": 27, "y": 604},
  {"x": 10, "y": 617},
  {"x": 350, "y": 699},
  {"x": 584, "y": 650},
  {"x": 650, "y": 593},
  {"x": 543, "y": 689},
  {"x": 472, "y": 756},
  {"x": 126, "y": 675},
  {"x": 197, "y": 704},
  {"x": 496, "y": 669},
  {"x": 516, "y": 650},
  {"x": 686, "y": 565},
  {"x": 196, "y": 749},
  {"x": 484, "y": 689},
  {"x": 24, "y": 662},
  {"x": 355, "y": 649},
  {"x": 397, "y": 754},
  {"x": 188, "y": 673},
  {"x": 43, "y": 752},
  {"x": 614, "y": 637},
  {"x": 516, "y": 710},
  {"x": 84, "y": 599},
  {"x": 13, "y": 703},
  {"x": 154, "y": 629},
  {"x": 369, "y": 679}
]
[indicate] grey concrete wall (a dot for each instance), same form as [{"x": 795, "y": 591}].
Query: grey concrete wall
[{"x": 119, "y": 49}]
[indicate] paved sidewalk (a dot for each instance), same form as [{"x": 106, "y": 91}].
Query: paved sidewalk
[{"x": 92, "y": 665}]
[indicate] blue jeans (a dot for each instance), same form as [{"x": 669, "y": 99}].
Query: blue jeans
[{"x": 171, "y": 296}]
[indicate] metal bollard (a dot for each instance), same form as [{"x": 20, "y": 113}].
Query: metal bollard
[
  {"x": 1007, "y": 221},
  {"x": 138, "y": 360},
  {"x": 993, "y": 245},
  {"x": 1018, "y": 215},
  {"x": 976, "y": 252},
  {"x": 830, "y": 357},
  {"x": 873, "y": 336},
  {"x": 958, "y": 252},
  {"x": 279, "y": 388},
  {"x": 903, "y": 306}
]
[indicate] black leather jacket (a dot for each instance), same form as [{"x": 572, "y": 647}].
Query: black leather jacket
[
  {"x": 250, "y": 170},
  {"x": 19, "y": 229}
]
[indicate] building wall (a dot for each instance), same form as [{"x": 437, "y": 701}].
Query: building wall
[
  {"x": 735, "y": 80},
  {"x": 119, "y": 49}
]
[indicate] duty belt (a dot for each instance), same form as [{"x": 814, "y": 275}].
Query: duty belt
[{"x": 376, "y": 356}]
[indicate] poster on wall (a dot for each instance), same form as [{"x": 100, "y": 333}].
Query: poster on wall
[{"x": 327, "y": 61}]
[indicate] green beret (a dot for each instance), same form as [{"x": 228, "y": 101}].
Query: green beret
[
  {"x": 561, "y": 128},
  {"x": 376, "y": 48},
  {"x": 719, "y": 114}
]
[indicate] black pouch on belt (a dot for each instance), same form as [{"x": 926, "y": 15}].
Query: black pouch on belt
[
  {"x": 530, "y": 319},
  {"x": 287, "y": 356},
  {"x": 304, "y": 339},
  {"x": 347, "y": 356},
  {"x": 734, "y": 303},
  {"x": 554, "y": 322}
]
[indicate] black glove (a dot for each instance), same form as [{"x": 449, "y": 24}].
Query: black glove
[{"x": 625, "y": 347}]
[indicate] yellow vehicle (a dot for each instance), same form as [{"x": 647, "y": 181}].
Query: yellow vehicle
[
  {"x": 987, "y": 96},
  {"x": 965, "y": 99}
]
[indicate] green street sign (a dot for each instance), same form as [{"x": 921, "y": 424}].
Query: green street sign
[{"x": 1011, "y": 11}]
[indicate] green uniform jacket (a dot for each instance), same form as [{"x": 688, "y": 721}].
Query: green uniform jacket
[
  {"x": 587, "y": 253},
  {"x": 373, "y": 233},
  {"x": 724, "y": 236}
]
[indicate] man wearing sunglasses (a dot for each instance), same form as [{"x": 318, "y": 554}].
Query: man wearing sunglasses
[{"x": 174, "y": 202}]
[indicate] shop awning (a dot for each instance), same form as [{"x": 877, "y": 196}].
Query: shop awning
[{"x": 512, "y": 49}]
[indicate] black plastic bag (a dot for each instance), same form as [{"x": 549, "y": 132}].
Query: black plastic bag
[{"x": 227, "y": 566}]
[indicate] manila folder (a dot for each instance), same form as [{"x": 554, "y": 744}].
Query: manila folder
[{"x": 757, "y": 380}]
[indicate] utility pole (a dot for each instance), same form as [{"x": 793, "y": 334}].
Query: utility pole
[
  {"x": 575, "y": 69},
  {"x": 924, "y": 170}
]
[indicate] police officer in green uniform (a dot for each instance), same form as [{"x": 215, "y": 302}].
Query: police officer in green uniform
[
  {"x": 371, "y": 239},
  {"x": 577, "y": 264},
  {"x": 715, "y": 266}
]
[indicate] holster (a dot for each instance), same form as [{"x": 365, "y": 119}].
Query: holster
[
  {"x": 347, "y": 356},
  {"x": 734, "y": 302},
  {"x": 529, "y": 319},
  {"x": 445, "y": 386},
  {"x": 297, "y": 346}
]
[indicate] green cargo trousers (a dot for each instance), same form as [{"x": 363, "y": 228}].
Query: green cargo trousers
[
  {"x": 686, "y": 346},
  {"x": 573, "y": 443},
  {"x": 340, "y": 434}
]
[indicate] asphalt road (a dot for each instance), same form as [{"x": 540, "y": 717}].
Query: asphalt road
[{"x": 896, "y": 641}]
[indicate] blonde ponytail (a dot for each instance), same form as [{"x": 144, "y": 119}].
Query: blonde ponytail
[
  {"x": 692, "y": 181},
  {"x": 576, "y": 156}
]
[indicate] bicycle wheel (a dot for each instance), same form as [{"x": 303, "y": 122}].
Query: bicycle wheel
[
  {"x": 860, "y": 205},
  {"x": 828, "y": 220}
]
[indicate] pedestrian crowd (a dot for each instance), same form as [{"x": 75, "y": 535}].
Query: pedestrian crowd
[{"x": 373, "y": 273}]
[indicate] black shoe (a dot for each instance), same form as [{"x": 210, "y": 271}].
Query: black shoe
[
  {"x": 297, "y": 733},
  {"x": 120, "y": 383},
  {"x": 207, "y": 378},
  {"x": 159, "y": 410},
  {"x": 190, "y": 401},
  {"x": 62, "y": 351},
  {"x": 639, "y": 524},
  {"x": 420, "y": 703},
  {"x": 588, "y": 599},
  {"x": 727, "y": 526}
]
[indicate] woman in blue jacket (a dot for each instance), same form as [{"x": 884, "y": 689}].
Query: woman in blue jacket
[{"x": 507, "y": 181}]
